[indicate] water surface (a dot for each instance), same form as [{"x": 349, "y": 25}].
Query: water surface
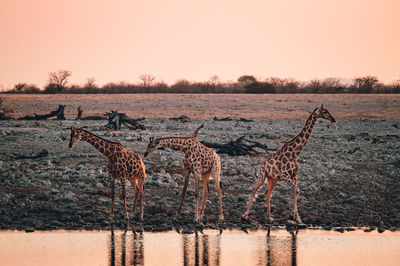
[{"x": 279, "y": 247}]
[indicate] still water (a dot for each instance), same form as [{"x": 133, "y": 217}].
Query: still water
[{"x": 277, "y": 247}]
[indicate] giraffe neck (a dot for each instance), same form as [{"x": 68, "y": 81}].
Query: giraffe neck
[
  {"x": 301, "y": 139},
  {"x": 175, "y": 143},
  {"x": 106, "y": 147}
]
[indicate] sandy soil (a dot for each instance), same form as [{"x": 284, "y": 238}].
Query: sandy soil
[{"x": 348, "y": 172}]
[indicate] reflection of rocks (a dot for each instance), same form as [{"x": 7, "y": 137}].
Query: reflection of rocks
[{"x": 341, "y": 169}]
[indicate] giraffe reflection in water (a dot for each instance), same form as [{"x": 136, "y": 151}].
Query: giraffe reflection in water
[
  {"x": 208, "y": 249},
  {"x": 199, "y": 249},
  {"x": 278, "y": 250},
  {"x": 126, "y": 252}
]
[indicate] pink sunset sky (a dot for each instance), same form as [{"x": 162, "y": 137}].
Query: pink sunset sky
[{"x": 113, "y": 41}]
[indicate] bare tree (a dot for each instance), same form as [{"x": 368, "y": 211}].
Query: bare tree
[
  {"x": 57, "y": 81},
  {"x": 19, "y": 86},
  {"x": 147, "y": 80},
  {"x": 365, "y": 84}
]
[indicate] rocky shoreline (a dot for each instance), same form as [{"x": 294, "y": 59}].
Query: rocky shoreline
[{"x": 348, "y": 176}]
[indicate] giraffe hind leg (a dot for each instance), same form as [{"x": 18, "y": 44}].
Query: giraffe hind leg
[
  {"x": 205, "y": 194},
  {"x": 135, "y": 198},
  {"x": 217, "y": 183},
  {"x": 256, "y": 187},
  {"x": 141, "y": 190}
]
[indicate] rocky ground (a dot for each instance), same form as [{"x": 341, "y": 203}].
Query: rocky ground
[{"x": 349, "y": 176}]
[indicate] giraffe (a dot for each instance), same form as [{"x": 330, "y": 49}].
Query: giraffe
[
  {"x": 283, "y": 166},
  {"x": 200, "y": 161},
  {"x": 123, "y": 165}
]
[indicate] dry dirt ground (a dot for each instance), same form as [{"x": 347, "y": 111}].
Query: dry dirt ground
[{"x": 349, "y": 172}]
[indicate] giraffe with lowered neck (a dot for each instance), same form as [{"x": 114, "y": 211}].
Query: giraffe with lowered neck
[
  {"x": 123, "y": 165},
  {"x": 283, "y": 166},
  {"x": 200, "y": 161}
]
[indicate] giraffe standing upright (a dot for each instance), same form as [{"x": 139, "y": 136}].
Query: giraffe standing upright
[
  {"x": 200, "y": 161},
  {"x": 123, "y": 165},
  {"x": 283, "y": 166}
]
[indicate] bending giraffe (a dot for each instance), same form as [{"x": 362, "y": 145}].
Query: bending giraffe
[
  {"x": 200, "y": 161},
  {"x": 123, "y": 165},
  {"x": 283, "y": 166}
]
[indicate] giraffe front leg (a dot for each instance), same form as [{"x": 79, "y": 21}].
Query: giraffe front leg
[
  {"x": 295, "y": 191},
  {"x": 257, "y": 186},
  {"x": 184, "y": 191},
  {"x": 271, "y": 185},
  {"x": 123, "y": 184},
  {"x": 205, "y": 195},
  {"x": 112, "y": 197}
]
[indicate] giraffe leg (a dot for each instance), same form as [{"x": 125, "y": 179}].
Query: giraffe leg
[
  {"x": 257, "y": 186},
  {"x": 271, "y": 185},
  {"x": 217, "y": 184},
  {"x": 141, "y": 190},
  {"x": 184, "y": 190},
  {"x": 135, "y": 198},
  {"x": 295, "y": 191},
  {"x": 205, "y": 195},
  {"x": 124, "y": 196},
  {"x": 112, "y": 197},
  {"x": 197, "y": 192}
]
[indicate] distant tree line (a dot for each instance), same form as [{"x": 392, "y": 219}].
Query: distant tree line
[{"x": 58, "y": 83}]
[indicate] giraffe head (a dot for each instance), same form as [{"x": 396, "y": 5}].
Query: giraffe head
[
  {"x": 152, "y": 146},
  {"x": 75, "y": 136},
  {"x": 324, "y": 114}
]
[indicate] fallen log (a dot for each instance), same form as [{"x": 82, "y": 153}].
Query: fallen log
[
  {"x": 116, "y": 120},
  {"x": 231, "y": 119},
  {"x": 59, "y": 113},
  {"x": 238, "y": 147},
  {"x": 91, "y": 117},
  {"x": 41, "y": 154},
  {"x": 223, "y": 119}
]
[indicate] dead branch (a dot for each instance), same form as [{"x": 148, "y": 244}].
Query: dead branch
[
  {"x": 79, "y": 115},
  {"x": 239, "y": 147},
  {"x": 41, "y": 154},
  {"x": 115, "y": 120},
  {"x": 59, "y": 113}
]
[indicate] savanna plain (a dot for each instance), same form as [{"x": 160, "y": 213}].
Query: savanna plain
[{"x": 349, "y": 171}]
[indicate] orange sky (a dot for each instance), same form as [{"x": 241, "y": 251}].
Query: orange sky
[{"x": 190, "y": 39}]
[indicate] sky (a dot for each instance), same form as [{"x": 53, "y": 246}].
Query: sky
[{"x": 113, "y": 41}]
